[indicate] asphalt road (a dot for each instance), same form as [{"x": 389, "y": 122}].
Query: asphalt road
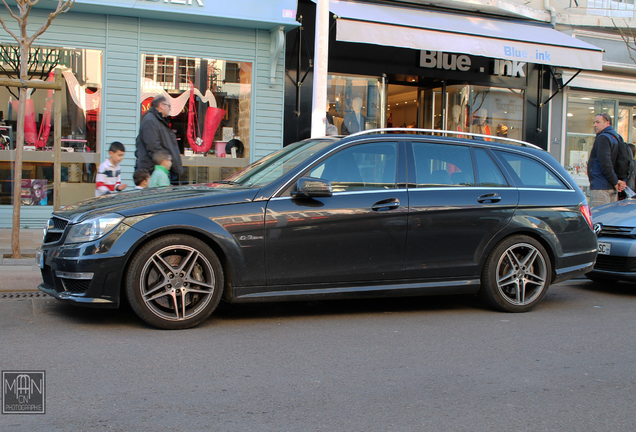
[{"x": 411, "y": 364}]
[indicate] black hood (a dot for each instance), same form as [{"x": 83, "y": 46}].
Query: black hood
[{"x": 153, "y": 200}]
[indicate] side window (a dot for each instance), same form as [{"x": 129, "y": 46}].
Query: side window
[
  {"x": 362, "y": 167},
  {"x": 442, "y": 165},
  {"x": 488, "y": 174},
  {"x": 529, "y": 172}
]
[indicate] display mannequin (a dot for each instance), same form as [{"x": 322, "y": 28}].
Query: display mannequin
[
  {"x": 353, "y": 121},
  {"x": 456, "y": 125},
  {"x": 480, "y": 123}
]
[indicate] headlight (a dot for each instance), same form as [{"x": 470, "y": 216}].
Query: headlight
[{"x": 92, "y": 229}]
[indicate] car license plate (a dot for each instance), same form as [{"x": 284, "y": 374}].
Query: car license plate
[
  {"x": 604, "y": 248},
  {"x": 39, "y": 258}
]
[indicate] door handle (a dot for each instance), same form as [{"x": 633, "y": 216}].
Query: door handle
[
  {"x": 387, "y": 204},
  {"x": 489, "y": 197}
]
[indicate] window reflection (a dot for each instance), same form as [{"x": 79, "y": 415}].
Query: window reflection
[
  {"x": 81, "y": 71},
  {"x": 353, "y": 104},
  {"x": 210, "y": 114}
]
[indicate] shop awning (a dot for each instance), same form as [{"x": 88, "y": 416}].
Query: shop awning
[
  {"x": 439, "y": 31},
  {"x": 600, "y": 82}
]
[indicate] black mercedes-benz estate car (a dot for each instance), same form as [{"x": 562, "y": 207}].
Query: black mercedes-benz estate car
[{"x": 372, "y": 214}]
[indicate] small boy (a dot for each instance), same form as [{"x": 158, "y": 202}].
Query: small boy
[
  {"x": 141, "y": 177},
  {"x": 108, "y": 179},
  {"x": 161, "y": 175}
]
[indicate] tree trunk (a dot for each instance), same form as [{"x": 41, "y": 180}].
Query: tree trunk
[{"x": 19, "y": 143}]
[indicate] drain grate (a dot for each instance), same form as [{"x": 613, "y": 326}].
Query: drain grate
[{"x": 23, "y": 295}]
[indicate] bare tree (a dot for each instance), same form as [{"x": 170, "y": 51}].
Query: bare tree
[
  {"x": 628, "y": 36},
  {"x": 24, "y": 43},
  {"x": 41, "y": 62}
]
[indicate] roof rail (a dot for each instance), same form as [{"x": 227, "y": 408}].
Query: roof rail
[{"x": 447, "y": 132}]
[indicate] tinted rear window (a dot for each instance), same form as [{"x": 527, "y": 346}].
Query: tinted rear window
[{"x": 529, "y": 172}]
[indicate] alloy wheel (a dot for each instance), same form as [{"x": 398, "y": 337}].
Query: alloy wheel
[
  {"x": 521, "y": 274},
  {"x": 177, "y": 283}
]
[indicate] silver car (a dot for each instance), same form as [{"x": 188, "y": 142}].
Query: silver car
[{"x": 615, "y": 228}]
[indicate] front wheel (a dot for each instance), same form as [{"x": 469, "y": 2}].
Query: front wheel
[
  {"x": 516, "y": 275},
  {"x": 174, "y": 282}
]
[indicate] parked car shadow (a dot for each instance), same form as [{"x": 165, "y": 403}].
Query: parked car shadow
[
  {"x": 237, "y": 312},
  {"x": 618, "y": 288},
  {"x": 278, "y": 310}
]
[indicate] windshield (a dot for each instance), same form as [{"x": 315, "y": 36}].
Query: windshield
[{"x": 274, "y": 166}]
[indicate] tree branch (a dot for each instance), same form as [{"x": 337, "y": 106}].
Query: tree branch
[
  {"x": 61, "y": 8},
  {"x": 630, "y": 48},
  {"x": 14, "y": 16},
  {"x": 5, "y": 26}
]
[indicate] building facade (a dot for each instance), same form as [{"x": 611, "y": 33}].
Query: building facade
[
  {"x": 415, "y": 65},
  {"x": 433, "y": 69},
  {"x": 220, "y": 64}
]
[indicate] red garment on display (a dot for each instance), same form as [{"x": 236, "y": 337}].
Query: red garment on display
[
  {"x": 213, "y": 118},
  {"x": 45, "y": 126}
]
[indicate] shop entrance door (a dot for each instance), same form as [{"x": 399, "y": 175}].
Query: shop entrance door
[
  {"x": 433, "y": 108},
  {"x": 416, "y": 107},
  {"x": 625, "y": 124},
  {"x": 402, "y": 106}
]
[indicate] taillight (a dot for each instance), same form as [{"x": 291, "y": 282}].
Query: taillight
[{"x": 585, "y": 209}]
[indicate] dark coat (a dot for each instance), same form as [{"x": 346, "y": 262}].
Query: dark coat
[
  {"x": 155, "y": 134},
  {"x": 600, "y": 166},
  {"x": 350, "y": 124}
]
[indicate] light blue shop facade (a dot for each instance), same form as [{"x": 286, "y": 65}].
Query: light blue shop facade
[{"x": 114, "y": 57}]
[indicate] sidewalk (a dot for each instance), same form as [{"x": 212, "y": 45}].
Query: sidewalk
[{"x": 20, "y": 275}]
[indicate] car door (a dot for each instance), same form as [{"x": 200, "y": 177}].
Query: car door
[
  {"x": 458, "y": 200},
  {"x": 356, "y": 235}
]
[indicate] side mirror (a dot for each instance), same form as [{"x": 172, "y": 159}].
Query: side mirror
[{"x": 309, "y": 187}]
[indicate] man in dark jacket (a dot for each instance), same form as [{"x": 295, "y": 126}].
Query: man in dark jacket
[
  {"x": 604, "y": 184},
  {"x": 156, "y": 135}
]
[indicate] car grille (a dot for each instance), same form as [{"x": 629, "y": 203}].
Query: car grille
[
  {"x": 616, "y": 231},
  {"x": 55, "y": 229},
  {"x": 77, "y": 286},
  {"x": 614, "y": 263}
]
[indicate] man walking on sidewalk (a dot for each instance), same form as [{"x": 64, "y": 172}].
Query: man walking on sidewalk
[{"x": 604, "y": 183}]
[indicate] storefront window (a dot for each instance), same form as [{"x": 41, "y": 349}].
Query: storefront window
[
  {"x": 214, "y": 141},
  {"x": 581, "y": 109},
  {"x": 486, "y": 110},
  {"x": 81, "y": 70},
  {"x": 353, "y": 104},
  {"x": 492, "y": 111}
]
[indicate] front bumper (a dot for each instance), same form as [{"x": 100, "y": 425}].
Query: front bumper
[
  {"x": 87, "y": 274},
  {"x": 620, "y": 263},
  {"x": 79, "y": 299}
]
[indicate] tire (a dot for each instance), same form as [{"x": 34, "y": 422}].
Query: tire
[
  {"x": 174, "y": 282},
  {"x": 600, "y": 279},
  {"x": 516, "y": 275}
]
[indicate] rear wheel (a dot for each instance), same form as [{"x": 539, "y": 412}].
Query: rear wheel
[
  {"x": 516, "y": 275},
  {"x": 174, "y": 282}
]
